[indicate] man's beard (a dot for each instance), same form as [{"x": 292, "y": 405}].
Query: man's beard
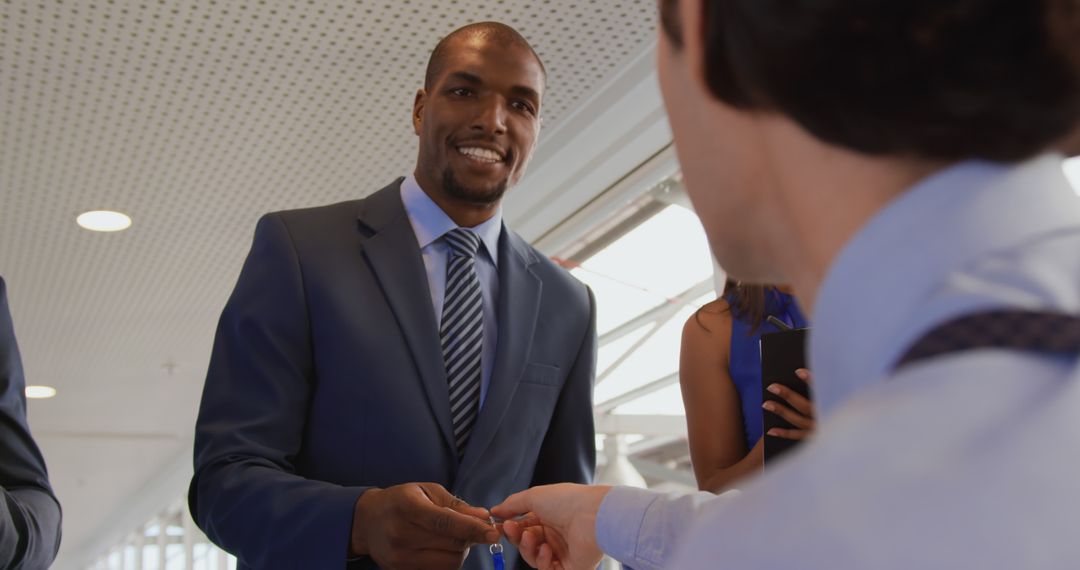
[{"x": 454, "y": 189}]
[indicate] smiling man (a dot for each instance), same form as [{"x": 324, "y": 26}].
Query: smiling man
[{"x": 385, "y": 364}]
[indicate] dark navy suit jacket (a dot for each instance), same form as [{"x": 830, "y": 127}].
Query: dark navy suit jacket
[
  {"x": 29, "y": 512},
  {"x": 327, "y": 378}
]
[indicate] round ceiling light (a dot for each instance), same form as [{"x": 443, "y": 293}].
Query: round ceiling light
[
  {"x": 104, "y": 221},
  {"x": 38, "y": 392}
]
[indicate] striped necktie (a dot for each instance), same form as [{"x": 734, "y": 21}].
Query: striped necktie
[{"x": 462, "y": 333}]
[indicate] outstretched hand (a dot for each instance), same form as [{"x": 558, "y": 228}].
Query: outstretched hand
[
  {"x": 417, "y": 525},
  {"x": 556, "y": 528}
]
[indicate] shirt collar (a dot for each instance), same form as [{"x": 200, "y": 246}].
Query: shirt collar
[
  {"x": 873, "y": 301},
  {"x": 430, "y": 222}
]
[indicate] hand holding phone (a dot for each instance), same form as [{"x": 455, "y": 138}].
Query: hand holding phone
[{"x": 786, "y": 397}]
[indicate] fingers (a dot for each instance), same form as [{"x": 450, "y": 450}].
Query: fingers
[
  {"x": 513, "y": 529},
  {"x": 796, "y": 400},
  {"x": 413, "y": 526},
  {"x": 794, "y": 418},
  {"x": 529, "y": 545},
  {"x": 437, "y": 516},
  {"x": 537, "y": 552},
  {"x": 537, "y": 547},
  {"x": 796, "y": 434},
  {"x": 804, "y": 375},
  {"x": 515, "y": 505},
  {"x": 545, "y": 559},
  {"x": 438, "y": 495},
  {"x": 452, "y": 524}
]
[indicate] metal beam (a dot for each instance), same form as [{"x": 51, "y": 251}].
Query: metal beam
[
  {"x": 628, "y": 353},
  {"x": 661, "y": 312},
  {"x": 612, "y": 403},
  {"x": 649, "y": 425}
]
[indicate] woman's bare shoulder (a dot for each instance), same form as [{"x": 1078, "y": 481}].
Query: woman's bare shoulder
[{"x": 712, "y": 320}]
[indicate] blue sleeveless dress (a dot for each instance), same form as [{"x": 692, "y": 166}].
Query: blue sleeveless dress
[{"x": 745, "y": 365}]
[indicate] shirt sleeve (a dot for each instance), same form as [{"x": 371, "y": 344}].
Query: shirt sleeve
[{"x": 643, "y": 529}]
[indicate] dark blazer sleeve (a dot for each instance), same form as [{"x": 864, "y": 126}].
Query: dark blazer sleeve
[
  {"x": 568, "y": 453},
  {"x": 245, "y": 493},
  {"x": 29, "y": 512}
]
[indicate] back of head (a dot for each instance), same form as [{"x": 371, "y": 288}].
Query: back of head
[{"x": 931, "y": 79}]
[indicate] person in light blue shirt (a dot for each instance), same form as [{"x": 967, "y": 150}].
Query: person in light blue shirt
[{"x": 893, "y": 162}]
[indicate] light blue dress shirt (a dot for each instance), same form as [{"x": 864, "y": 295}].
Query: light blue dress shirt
[
  {"x": 430, "y": 223},
  {"x": 965, "y": 461}
]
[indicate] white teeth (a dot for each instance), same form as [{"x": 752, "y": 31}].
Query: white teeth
[{"x": 481, "y": 154}]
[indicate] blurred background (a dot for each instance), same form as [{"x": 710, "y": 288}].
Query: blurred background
[{"x": 193, "y": 118}]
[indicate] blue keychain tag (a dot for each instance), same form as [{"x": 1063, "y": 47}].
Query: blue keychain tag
[{"x": 496, "y": 551}]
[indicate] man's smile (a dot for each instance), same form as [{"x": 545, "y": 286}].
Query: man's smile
[{"x": 481, "y": 155}]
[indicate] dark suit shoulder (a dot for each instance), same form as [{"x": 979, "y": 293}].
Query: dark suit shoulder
[
  {"x": 342, "y": 219},
  {"x": 315, "y": 215},
  {"x": 307, "y": 230}
]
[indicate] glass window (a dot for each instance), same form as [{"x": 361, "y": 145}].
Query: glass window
[{"x": 644, "y": 254}]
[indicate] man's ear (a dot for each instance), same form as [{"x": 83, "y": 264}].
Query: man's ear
[
  {"x": 691, "y": 14},
  {"x": 418, "y": 109},
  {"x": 1071, "y": 145}
]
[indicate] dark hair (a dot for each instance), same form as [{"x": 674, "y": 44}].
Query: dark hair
[
  {"x": 934, "y": 79},
  {"x": 499, "y": 32},
  {"x": 746, "y": 301}
]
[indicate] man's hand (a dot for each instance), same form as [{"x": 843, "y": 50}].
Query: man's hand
[
  {"x": 417, "y": 525},
  {"x": 557, "y": 530}
]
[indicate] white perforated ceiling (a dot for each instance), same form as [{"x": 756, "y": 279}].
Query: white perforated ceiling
[{"x": 194, "y": 118}]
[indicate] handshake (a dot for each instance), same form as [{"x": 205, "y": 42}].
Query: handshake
[{"x": 421, "y": 525}]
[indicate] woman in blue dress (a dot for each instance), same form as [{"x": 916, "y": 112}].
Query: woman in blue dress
[{"x": 720, "y": 376}]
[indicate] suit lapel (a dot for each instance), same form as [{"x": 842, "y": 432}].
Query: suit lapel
[
  {"x": 518, "y": 306},
  {"x": 394, "y": 255}
]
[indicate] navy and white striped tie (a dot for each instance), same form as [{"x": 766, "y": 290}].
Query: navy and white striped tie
[{"x": 462, "y": 333}]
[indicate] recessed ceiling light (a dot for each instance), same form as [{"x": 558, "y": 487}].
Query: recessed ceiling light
[
  {"x": 104, "y": 221},
  {"x": 38, "y": 392}
]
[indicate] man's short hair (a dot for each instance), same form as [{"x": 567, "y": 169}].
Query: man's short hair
[
  {"x": 496, "y": 31},
  {"x": 937, "y": 79}
]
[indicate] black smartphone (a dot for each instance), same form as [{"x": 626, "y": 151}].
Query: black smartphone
[{"x": 782, "y": 353}]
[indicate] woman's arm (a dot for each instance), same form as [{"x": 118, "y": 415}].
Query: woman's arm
[{"x": 713, "y": 408}]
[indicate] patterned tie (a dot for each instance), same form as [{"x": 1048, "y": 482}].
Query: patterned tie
[
  {"x": 462, "y": 333},
  {"x": 1017, "y": 329}
]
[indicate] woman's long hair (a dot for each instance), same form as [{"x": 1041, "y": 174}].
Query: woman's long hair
[{"x": 746, "y": 301}]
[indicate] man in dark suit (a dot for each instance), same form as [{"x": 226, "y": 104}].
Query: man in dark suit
[
  {"x": 29, "y": 512},
  {"x": 385, "y": 364}
]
